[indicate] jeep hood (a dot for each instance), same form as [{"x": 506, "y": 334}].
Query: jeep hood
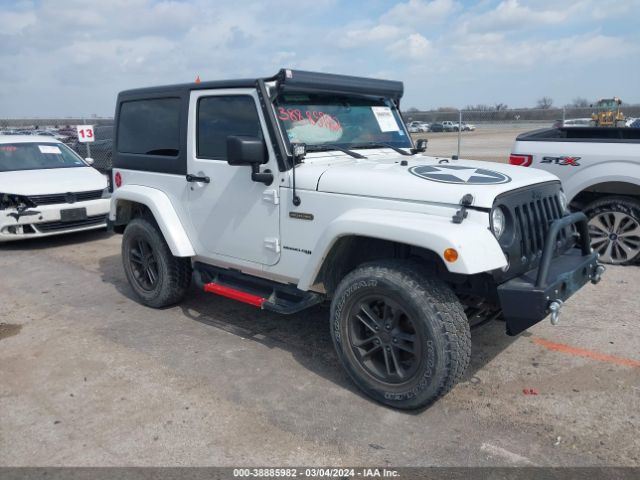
[{"x": 423, "y": 179}]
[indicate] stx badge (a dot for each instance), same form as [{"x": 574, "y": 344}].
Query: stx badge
[{"x": 571, "y": 161}]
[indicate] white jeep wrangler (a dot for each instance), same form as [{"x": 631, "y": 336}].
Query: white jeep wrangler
[{"x": 289, "y": 191}]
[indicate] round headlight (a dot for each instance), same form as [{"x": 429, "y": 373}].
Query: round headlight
[
  {"x": 563, "y": 201},
  {"x": 498, "y": 221}
]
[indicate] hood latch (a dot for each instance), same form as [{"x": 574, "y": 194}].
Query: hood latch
[{"x": 461, "y": 214}]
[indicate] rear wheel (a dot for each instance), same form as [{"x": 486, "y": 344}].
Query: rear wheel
[
  {"x": 401, "y": 335},
  {"x": 158, "y": 278},
  {"x": 614, "y": 227}
]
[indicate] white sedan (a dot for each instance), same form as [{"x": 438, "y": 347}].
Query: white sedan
[{"x": 47, "y": 189}]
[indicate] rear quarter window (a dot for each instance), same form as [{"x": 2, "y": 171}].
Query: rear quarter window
[{"x": 150, "y": 127}]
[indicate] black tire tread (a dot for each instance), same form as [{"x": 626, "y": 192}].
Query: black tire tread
[
  {"x": 179, "y": 270},
  {"x": 449, "y": 314}
]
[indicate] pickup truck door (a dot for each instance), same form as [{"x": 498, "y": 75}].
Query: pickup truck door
[{"x": 230, "y": 215}]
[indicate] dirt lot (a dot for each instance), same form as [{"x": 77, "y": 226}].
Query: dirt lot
[
  {"x": 90, "y": 377},
  {"x": 491, "y": 143}
]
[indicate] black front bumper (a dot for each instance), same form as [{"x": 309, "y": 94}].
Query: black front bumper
[{"x": 525, "y": 300}]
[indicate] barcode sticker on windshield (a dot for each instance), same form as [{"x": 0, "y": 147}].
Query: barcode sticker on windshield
[
  {"x": 49, "y": 149},
  {"x": 385, "y": 118}
]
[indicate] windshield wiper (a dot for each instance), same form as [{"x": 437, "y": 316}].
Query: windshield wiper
[
  {"x": 330, "y": 146},
  {"x": 380, "y": 145}
]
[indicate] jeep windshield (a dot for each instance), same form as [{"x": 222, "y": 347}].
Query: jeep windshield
[
  {"x": 329, "y": 121},
  {"x": 36, "y": 156}
]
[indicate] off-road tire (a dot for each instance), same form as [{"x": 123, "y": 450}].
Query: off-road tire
[
  {"x": 173, "y": 273},
  {"x": 440, "y": 325},
  {"x": 617, "y": 205}
]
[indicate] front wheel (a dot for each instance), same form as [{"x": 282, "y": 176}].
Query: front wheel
[
  {"x": 614, "y": 227},
  {"x": 157, "y": 277},
  {"x": 401, "y": 335}
]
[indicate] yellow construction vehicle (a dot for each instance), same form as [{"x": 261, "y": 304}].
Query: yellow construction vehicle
[{"x": 608, "y": 113}]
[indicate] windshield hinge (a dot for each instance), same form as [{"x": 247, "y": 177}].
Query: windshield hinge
[
  {"x": 461, "y": 214},
  {"x": 272, "y": 243},
  {"x": 271, "y": 196}
]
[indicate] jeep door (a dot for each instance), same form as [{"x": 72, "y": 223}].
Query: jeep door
[{"x": 231, "y": 216}]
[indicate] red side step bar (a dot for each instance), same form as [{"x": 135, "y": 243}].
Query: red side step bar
[{"x": 234, "y": 294}]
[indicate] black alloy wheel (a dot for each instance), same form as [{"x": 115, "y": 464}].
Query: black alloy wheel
[{"x": 383, "y": 339}]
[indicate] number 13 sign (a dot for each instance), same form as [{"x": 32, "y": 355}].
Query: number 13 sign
[{"x": 85, "y": 133}]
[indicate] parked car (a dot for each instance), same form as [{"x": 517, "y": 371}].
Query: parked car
[
  {"x": 47, "y": 189},
  {"x": 418, "y": 127},
  {"x": 600, "y": 172},
  {"x": 101, "y": 148},
  {"x": 633, "y": 122},
  {"x": 577, "y": 122},
  {"x": 468, "y": 127},
  {"x": 450, "y": 126},
  {"x": 436, "y": 127},
  {"x": 303, "y": 188}
]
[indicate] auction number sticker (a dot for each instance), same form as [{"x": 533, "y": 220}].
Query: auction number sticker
[
  {"x": 85, "y": 133},
  {"x": 386, "y": 120},
  {"x": 49, "y": 149}
]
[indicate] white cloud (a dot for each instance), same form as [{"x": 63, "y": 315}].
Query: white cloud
[
  {"x": 499, "y": 50},
  {"x": 420, "y": 12},
  {"x": 413, "y": 47},
  {"x": 512, "y": 15},
  {"x": 12, "y": 23},
  {"x": 366, "y": 36}
]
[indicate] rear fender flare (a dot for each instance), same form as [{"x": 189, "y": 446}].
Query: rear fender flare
[{"x": 163, "y": 212}]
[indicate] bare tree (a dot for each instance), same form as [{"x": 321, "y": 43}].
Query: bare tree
[
  {"x": 579, "y": 102},
  {"x": 478, "y": 108},
  {"x": 544, "y": 102},
  {"x": 501, "y": 106},
  {"x": 412, "y": 110}
]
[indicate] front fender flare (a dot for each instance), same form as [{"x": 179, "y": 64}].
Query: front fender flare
[
  {"x": 622, "y": 171},
  {"x": 477, "y": 247},
  {"x": 165, "y": 215}
]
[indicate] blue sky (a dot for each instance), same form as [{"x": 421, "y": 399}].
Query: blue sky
[{"x": 71, "y": 57}]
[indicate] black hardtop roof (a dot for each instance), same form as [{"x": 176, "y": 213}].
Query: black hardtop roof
[{"x": 288, "y": 80}]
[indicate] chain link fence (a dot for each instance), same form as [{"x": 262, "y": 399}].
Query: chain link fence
[
  {"x": 485, "y": 134},
  {"x": 64, "y": 129},
  {"x": 480, "y": 134}
]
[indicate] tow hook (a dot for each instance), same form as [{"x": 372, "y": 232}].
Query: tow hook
[
  {"x": 555, "y": 307},
  {"x": 597, "y": 276}
]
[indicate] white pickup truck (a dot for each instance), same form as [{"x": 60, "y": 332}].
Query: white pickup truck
[{"x": 600, "y": 173}]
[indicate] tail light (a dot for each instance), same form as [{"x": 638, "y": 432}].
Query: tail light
[
  {"x": 118, "y": 179},
  {"x": 521, "y": 160}
]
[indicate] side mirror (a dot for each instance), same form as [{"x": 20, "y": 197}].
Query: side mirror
[
  {"x": 249, "y": 151},
  {"x": 421, "y": 146},
  {"x": 89, "y": 161},
  {"x": 246, "y": 151}
]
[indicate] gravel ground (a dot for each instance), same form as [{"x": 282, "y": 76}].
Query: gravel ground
[
  {"x": 90, "y": 377},
  {"x": 490, "y": 143}
]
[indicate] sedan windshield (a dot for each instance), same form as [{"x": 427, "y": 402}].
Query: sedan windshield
[
  {"x": 346, "y": 121},
  {"x": 36, "y": 156}
]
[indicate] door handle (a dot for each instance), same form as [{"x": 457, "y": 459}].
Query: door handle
[{"x": 195, "y": 178}]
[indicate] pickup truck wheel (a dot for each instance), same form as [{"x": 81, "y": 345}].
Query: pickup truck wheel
[
  {"x": 614, "y": 226},
  {"x": 158, "y": 278},
  {"x": 401, "y": 335}
]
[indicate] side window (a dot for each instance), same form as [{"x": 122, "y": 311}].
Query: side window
[
  {"x": 150, "y": 127},
  {"x": 219, "y": 117}
]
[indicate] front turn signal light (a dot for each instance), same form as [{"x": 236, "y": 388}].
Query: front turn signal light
[{"x": 450, "y": 255}]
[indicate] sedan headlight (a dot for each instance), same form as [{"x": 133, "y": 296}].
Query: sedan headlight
[
  {"x": 498, "y": 221},
  {"x": 564, "y": 203}
]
